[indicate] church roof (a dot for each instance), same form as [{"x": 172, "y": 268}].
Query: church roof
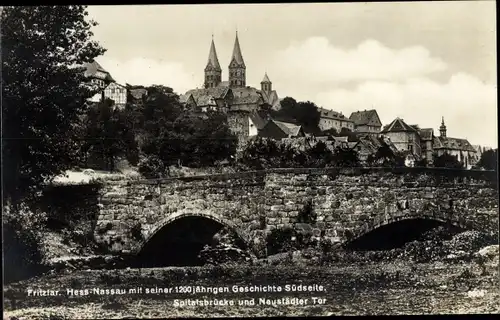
[
  {"x": 213, "y": 61},
  {"x": 398, "y": 125},
  {"x": 366, "y": 117},
  {"x": 237, "y": 56},
  {"x": 204, "y": 96},
  {"x": 452, "y": 144},
  {"x": 266, "y": 79}
]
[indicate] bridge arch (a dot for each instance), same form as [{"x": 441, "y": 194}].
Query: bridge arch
[
  {"x": 401, "y": 217},
  {"x": 206, "y": 223}
]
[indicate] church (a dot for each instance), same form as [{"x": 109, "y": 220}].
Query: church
[
  {"x": 233, "y": 94},
  {"x": 242, "y": 103}
]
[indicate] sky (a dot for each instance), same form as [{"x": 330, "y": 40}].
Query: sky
[{"x": 419, "y": 61}]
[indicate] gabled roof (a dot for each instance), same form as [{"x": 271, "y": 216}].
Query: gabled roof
[
  {"x": 271, "y": 98},
  {"x": 93, "y": 67},
  {"x": 237, "y": 56},
  {"x": 426, "y": 134},
  {"x": 330, "y": 114},
  {"x": 398, "y": 125},
  {"x": 452, "y": 144},
  {"x": 258, "y": 119},
  {"x": 289, "y": 128},
  {"x": 366, "y": 117},
  {"x": 216, "y": 93},
  {"x": 213, "y": 61}
]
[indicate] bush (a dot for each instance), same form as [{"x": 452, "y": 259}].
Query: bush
[
  {"x": 22, "y": 228},
  {"x": 152, "y": 167}
]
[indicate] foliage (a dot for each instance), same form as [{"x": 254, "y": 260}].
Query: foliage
[
  {"x": 43, "y": 91},
  {"x": 280, "y": 240},
  {"x": 263, "y": 153},
  {"x": 346, "y": 157},
  {"x": 177, "y": 136},
  {"x": 489, "y": 160},
  {"x": 386, "y": 157},
  {"x": 304, "y": 113},
  {"x": 108, "y": 135},
  {"x": 319, "y": 156},
  {"x": 421, "y": 163},
  {"x": 447, "y": 161},
  {"x": 152, "y": 167},
  {"x": 22, "y": 228}
]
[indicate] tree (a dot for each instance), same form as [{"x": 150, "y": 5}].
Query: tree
[
  {"x": 43, "y": 92},
  {"x": 346, "y": 157},
  {"x": 178, "y": 136},
  {"x": 386, "y": 157},
  {"x": 304, "y": 113},
  {"x": 446, "y": 160},
  {"x": 109, "y": 134},
  {"x": 320, "y": 156},
  {"x": 489, "y": 160}
]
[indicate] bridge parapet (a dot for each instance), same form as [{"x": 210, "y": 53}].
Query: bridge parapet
[{"x": 343, "y": 201}]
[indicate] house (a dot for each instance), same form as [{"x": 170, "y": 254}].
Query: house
[
  {"x": 117, "y": 93},
  {"x": 108, "y": 88},
  {"x": 369, "y": 144},
  {"x": 460, "y": 148},
  {"x": 366, "y": 121},
  {"x": 330, "y": 119},
  {"x": 99, "y": 77},
  {"x": 403, "y": 136},
  {"x": 257, "y": 121},
  {"x": 279, "y": 130}
]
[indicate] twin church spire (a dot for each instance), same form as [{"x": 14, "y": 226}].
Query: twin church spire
[{"x": 237, "y": 68}]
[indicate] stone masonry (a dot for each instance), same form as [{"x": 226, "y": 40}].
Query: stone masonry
[{"x": 346, "y": 203}]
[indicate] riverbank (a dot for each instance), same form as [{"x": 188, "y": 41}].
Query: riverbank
[{"x": 387, "y": 287}]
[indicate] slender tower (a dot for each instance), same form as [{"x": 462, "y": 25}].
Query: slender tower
[
  {"x": 442, "y": 129},
  {"x": 237, "y": 68},
  {"x": 213, "y": 71},
  {"x": 266, "y": 84}
]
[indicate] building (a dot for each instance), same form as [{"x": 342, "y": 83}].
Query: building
[
  {"x": 233, "y": 96},
  {"x": 369, "y": 144},
  {"x": 426, "y": 144},
  {"x": 279, "y": 130},
  {"x": 404, "y": 137},
  {"x": 460, "y": 148},
  {"x": 108, "y": 88},
  {"x": 117, "y": 93},
  {"x": 330, "y": 119},
  {"x": 366, "y": 121}
]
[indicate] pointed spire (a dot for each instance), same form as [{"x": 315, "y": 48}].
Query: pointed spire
[
  {"x": 266, "y": 79},
  {"x": 237, "y": 56},
  {"x": 212, "y": 56}
]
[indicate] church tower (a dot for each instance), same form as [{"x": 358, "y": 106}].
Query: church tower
[
  {"x": 213, "y": 72},
  {"x": 266, "y": 84},
  {"x": 442, "y": 129},
  {"x": 237, "y": 68}
]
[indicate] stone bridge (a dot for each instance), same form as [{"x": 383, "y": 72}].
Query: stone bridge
[{"x": 343, "y": 203}]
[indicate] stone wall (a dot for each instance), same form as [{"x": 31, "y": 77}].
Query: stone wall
[{"x": 346, "y": 203}]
